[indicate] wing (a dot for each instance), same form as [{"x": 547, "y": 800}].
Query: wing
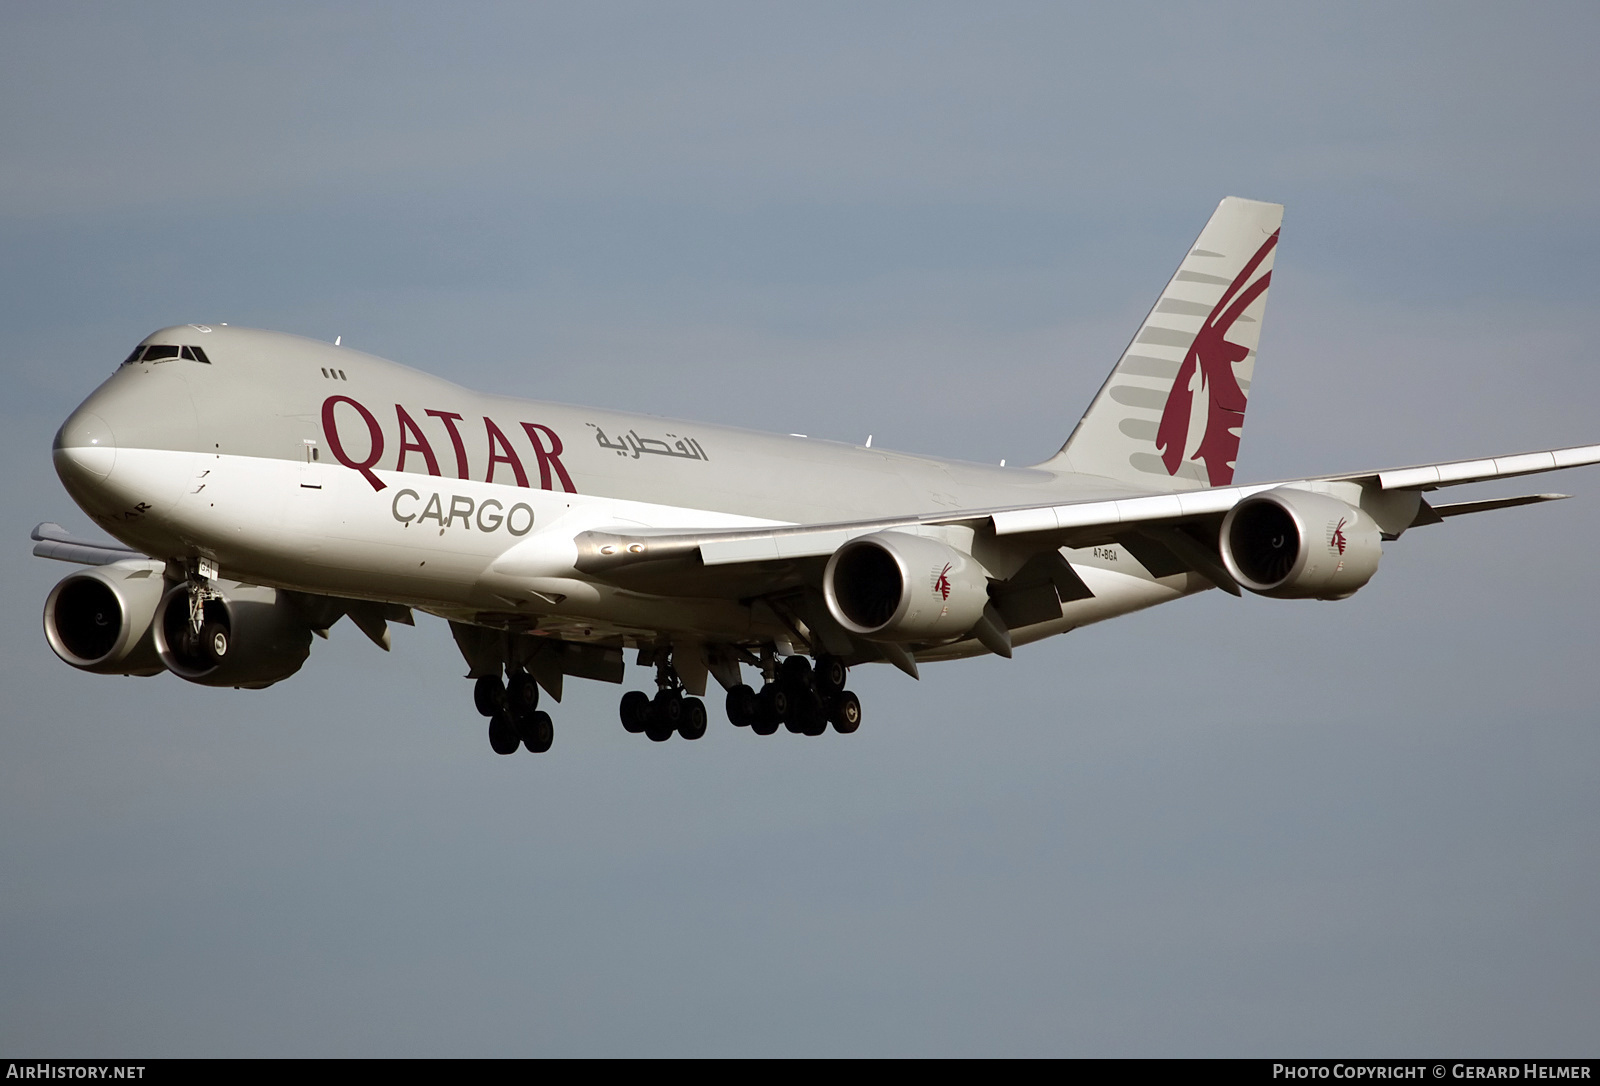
[{"x": 1176, "y": 530}]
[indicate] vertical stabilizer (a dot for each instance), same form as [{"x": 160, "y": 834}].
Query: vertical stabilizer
[{"x": 1170, "y": 414}]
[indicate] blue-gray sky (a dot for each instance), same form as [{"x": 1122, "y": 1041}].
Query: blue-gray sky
[{"x": 1219, "y": 828}]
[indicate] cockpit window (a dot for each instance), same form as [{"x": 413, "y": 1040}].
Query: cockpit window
[{"x": 160, "y": 352}]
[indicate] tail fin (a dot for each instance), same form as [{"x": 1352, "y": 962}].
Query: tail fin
[{"x": 1170, "y": 414}]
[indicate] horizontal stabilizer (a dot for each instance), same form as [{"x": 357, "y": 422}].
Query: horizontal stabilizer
[
  {"x": 1435, "y": 514},
  {"x": 53, "y": 541}
]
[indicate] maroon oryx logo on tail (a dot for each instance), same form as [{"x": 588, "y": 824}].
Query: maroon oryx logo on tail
[{"x": 1212, "y": 357}]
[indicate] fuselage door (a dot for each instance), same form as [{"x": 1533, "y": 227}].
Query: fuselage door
[{"x": 311, "y": 466}]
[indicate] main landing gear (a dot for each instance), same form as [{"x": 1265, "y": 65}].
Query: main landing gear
[
  {"x": 669, "y": 711},
  {"x": 801, "y": 698},
  {"x": 515, "y": 718}
]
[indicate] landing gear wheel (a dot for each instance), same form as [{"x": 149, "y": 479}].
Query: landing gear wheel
[
  {"x": 522, "y": 694},
  {"x": 489, "y": 695},
  {"x": 662, "y": 715},
  {"x": 845, "y": 712},
  {"x": 693, "y": 724},
  {"x": 666, "y": 711},
  {"x": 635, "y": 711},
  {"x": 830, "y": 675},
  {"x": 537, "y": 731},
  {"x": 503, "y": 735},
  {"x": 773, "y": 706},
  {"x": 815, "y": 722},
  {"x": 214, "y": 643},
  {"x": 742, "y": 706},
  {"x": 807, "y": 713},
  {"x": 795, "y": 672}
]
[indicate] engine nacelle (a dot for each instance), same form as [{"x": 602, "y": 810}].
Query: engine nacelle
[
  {"x": 264, "y": 637},
  {"x": 891, "y": 586},
  {"x": 100, "y": 619},
  {"x": 1292, "y": 544}
]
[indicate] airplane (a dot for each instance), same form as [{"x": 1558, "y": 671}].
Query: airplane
[{"x": 261, "y": 486}]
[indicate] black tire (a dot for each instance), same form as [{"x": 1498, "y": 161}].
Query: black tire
[
  {"x": 503, "y": 735},
  {"x": 489, "y": 695},
  {"x": 808, "y": 715},
  {"x": 830, "y": 675},
  {"x": 666, "y": 710},
  {"x": 814, "y": 721},
  {"x": 538, "y": 732},
  {"x": 742, "y": 706},
  {"x": 795, "y": 672},
  {"x": 214, "y": 643},
  {"x": 772, "y": 706},
  {"x": 635, "y": 711},
  {"x": 805, "y": 710},
  {"x": 658, "y": 733},
  {"x": 522, "y": 694},
  {"x": 845, "y": 712},
  {"x": 693, "y": 724},
  {"x": 763, "y": 726}
]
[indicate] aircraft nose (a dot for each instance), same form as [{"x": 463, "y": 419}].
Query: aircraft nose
[{"x": 85, "y": 446}]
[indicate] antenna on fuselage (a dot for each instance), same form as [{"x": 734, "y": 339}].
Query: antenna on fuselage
[
  {"x": 336, "y": 340},
  {"x": 869, "y": 441}
]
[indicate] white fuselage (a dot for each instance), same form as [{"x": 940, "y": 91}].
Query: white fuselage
[{"x": 300, "y": 465}]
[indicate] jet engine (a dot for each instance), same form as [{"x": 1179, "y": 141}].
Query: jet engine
[
  {"x": 1292, "y": 544},
  {"x": 247, "y": 636},
  {"x": 891, "y": 586},
  {"x": 99, "y": 619}
]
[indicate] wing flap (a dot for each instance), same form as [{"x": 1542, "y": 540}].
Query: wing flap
[
  {"x": 1111, "y": 514},
  {"x": 768, "y": 548}
]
